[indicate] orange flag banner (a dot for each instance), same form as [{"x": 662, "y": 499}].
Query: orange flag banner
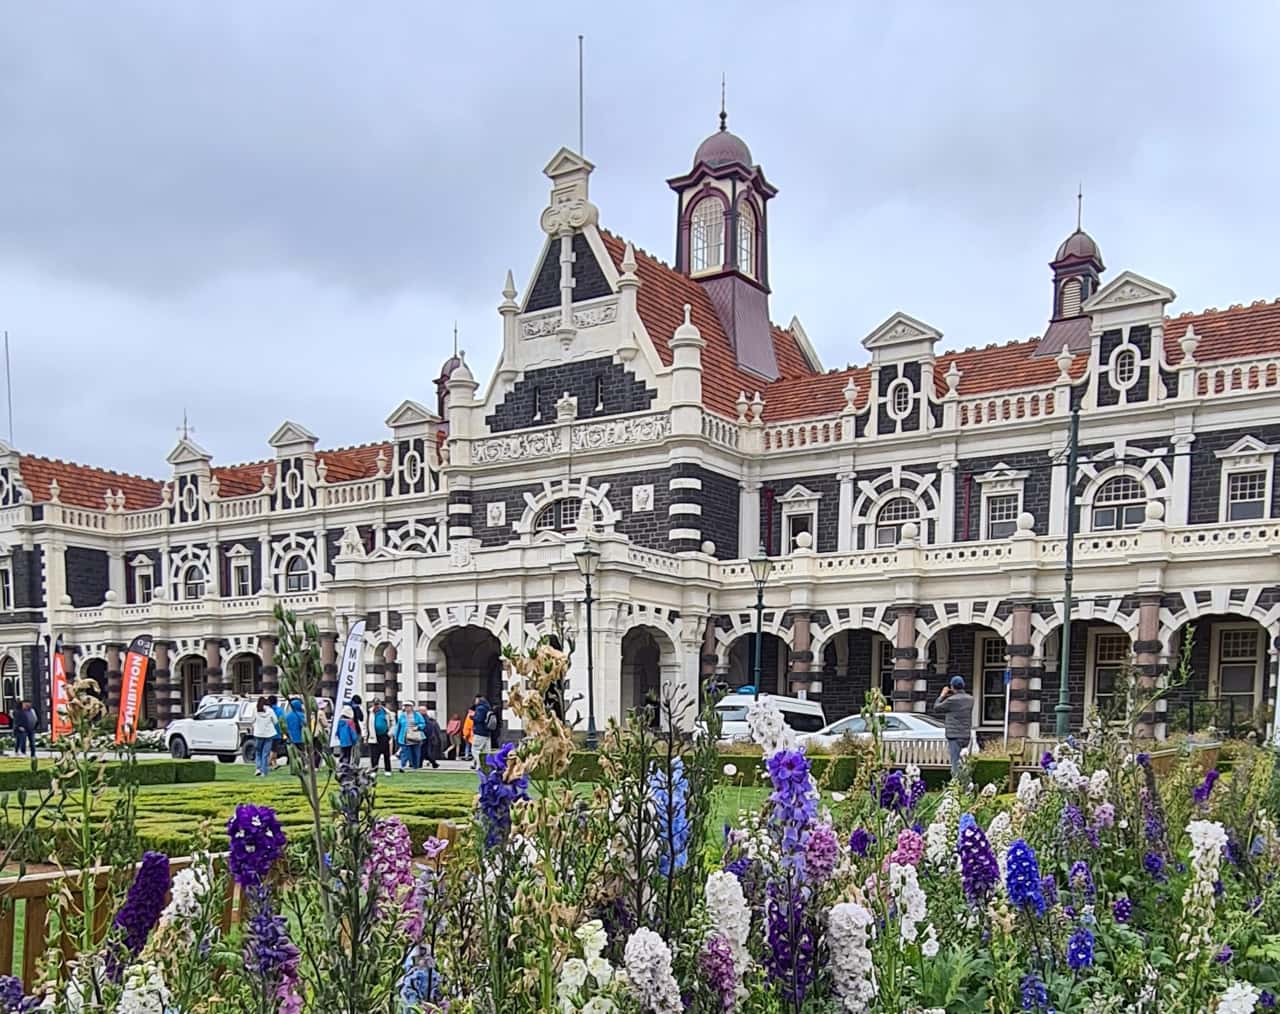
[
  {"x": 59, "y": 723},
  {"x": 133, "y": 681}
]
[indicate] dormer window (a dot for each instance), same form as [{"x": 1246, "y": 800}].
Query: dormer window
[
  {"x": 706, "y": 235},
  {"x": 747, "y": 240}
]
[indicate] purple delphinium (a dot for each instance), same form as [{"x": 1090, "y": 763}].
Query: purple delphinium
[
  {"x": 1072, "y": 820},
  {"x": 1122, "y": 909},
  {"x": 270, "y": 956},
  {"x": 1022, "y": 878},
  {"x": 821, "y": 852},
  {"x": 1154, "y": 865},
  {"x": 12, "y": 999},
  {"x": 1035, "y": 995},
  {"x": 1201, "y": 792},
  {"x": 1225, "y": 955},
  {"x": 256, "y": 843},
  {"x": 140, "y": 911},
  {"x": 1080, "y": 949},
  {"x": 670, "y": 794},
  {"x": 1144, "y": 760},
  {"x": 716, "y": 962},
  {"x": 497, "y": 795},
  {"x": 860, "y": 841},
  {"x": 1081, "y": 880},
  {"x": 790, "y": 947},
  {"x": 1049, "y": 888},
  {"x": 1047, "y": 761},
  {"x": 795, "y": 804},
  {"x": 739, "y": 866},
  {"x": 979, "y": 870},
  {"x": 893, "y": 791},
  {"x": 918, "y": 789},
  {"x": 1267, "y": 1000}
]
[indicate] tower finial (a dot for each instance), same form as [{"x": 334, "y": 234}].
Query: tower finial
[
  {"x": 724, "y": 117},
  {"x": 455, "y": 337},
  {"x": 186, "y": 429},
  {"x": 1079, "y": 205}
]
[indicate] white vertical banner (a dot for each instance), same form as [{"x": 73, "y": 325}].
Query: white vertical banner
[{"x": 348, "y": 675}]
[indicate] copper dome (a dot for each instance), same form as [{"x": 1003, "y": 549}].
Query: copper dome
[
  {"x": 721, "y": 148},
  {"x": 1079, "y": 245}
]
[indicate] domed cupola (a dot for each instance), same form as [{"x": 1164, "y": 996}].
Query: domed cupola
[
  {"x": 722, "y": 241},
  {"x": 1077, "y": 269},
  {"x": 446, "y": 371}
]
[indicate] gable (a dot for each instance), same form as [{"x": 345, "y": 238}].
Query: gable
[
  {"x": 588, "y": 277},
  {"x": 901, "y": 337}
]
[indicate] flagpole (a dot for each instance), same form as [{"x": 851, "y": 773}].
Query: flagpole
[{"x": 8, "y": 386}]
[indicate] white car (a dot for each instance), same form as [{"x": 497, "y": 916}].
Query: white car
[
  {"x": 800, "y": 715},
  {"x": 892, "y": 726},
  {"x": 222, "y": 727}
]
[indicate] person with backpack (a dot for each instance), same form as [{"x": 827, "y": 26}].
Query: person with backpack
[
  {"x": 295, "y": 722},
  {"x": 411, "y": 730},
  {"x": 431, "y": 747},
  {"x": 279, "y": 749},
  {"x": 380, "y": 729},
  {"x": 486, "y": 730},
  {"x": 348, "y": 735}
]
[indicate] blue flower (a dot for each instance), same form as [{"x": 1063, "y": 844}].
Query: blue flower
[
  {"x": 860, "y": 841},
  {"x": 497, "y": 795},
  {"x": 1035, "y": 996},
  {"x": 1081, "y": 879},
  {"x": 1022, "y": 878},
  {"x": 893, "y": 791},
  {"x": 12, "y": 999},
  {"x": 978, "y": 868},
  {"x": 1201, "y": 792},
  {"x": 256, "y": 840},
  {"x": 1122, "y": 909},
  {"x": 1080, "y": 949},
  {"x": 1267, "y": 1000},
  {"x": 1144, "y": 760},
  {"x": 795, "y": 804},
  {"x": 1225, "y": 955},
  {"x": 670, "y": 796},
  {"x": 1154, "y": 865}
]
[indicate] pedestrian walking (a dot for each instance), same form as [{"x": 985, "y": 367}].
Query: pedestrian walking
[
  {"x": 410, "y": 732},
  {"x": 25, "y": 723},
  {"x": 468, "y": 732},
  {"x": 453, "y": 733},
  {"x": 485, "y": 731},
  {"x": 357, "y": 714},
  {"x": 431, "y": 746},
  {"x": 348, "y": 734},
  {"x": 380, "y": 721},
  {"x": 265, "y": 730},
  {"x": 295, "y": 723},
  {"x": 956, "y": 707},
  {"x": 280, "y": 748}
]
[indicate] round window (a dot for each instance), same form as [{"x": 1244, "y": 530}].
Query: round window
[
  {"x": 412, "y": 467},
  {"x": 1124, "y": 367},
  {"x": 293, "y": 485},
  {"x": 900, "y": 399},
  {"x": 189, "y": 498}
]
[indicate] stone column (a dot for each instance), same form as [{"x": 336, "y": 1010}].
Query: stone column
[
  {"x": 113, "y": 677},
  {"x": 164, "y": 685},
  {"x": 270, "y": 671},
  {"x": 801, "y": 656},
  {"x": 1019, "y": 649},
  {"x": 329, "y": 666},
  {"x": 213, "y": 681},
  {"x": 750, "y": 537},
  {"x": 391, "y": 670},
  {"x": 1147, "y": 649},
  {"x": 904, "y": 657},
  {"x": 844, "y": 519}
]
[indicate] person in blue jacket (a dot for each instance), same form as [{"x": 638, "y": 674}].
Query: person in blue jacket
[
  {"x": 411, "y": 733},
  {"x": 295, "y": 722},
  {"x": 348, "y": 735},
  {"x": 278, "y": 748}
]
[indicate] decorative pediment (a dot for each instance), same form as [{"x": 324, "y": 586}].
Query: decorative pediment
[
  {"x": 901, "y": 337},
  {"x": 411, "y": 414},
  {"x": 564, "y": 162},
  {"x": 799, "y": 495},
  {"x": 1128, "y": 289},
  {"x": 188, "y": 452},
  {"x": 239, "y": 552},
  {"x": 1248, "y": 451},
  {"x": 1001, "y": 479},
  {"x": 292, "y": 438}
]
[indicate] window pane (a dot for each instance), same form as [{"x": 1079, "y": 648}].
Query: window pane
[
  {"x": 899, "y": 509},
  {"x": 746, "y": 240},
  {"x": 887, "y": 536},
  {"x": 1111, "y": 648},
  {"x": 1237, "y": 679},
  {"x": 1238, "y": 645},
  {"x": 1122, "y": 487},
  {"x": 1246, "y": 510},
  {"x": 1104, "y": 518},
  {"x": 706, "y": 235}
]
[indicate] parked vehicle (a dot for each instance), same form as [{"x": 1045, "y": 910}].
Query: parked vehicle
[
  {"x": 800, "y": 715},
  {"x": 892, "y": 726},
  {"x": 222, "y": 726}
]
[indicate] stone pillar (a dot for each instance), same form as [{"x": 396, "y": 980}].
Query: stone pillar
[
  {"x": 1147, "y": 649},
  {"x": 904, "y": 658},
  {"x": 270, "y": 671},
  {"x": 329, "y": 666},
  {"x": 164, "y": 685},
  {"x": 947, "y": 498},
  {"x": 1019, "y": 650},
  {"x": 844, "y": 520},
  {"x": 750, "y": 538},
  {"x": 213, "y": 681},
  {"x": 801, "y": 656},
  {"x": 391, "y": 670},
  {"x": 113, "y": 677}
]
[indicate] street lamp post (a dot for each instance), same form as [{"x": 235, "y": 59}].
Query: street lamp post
[
  {"x": 587, "y": 560},
  {"x": 1063, "y": 710},
  {"x": 761, "y": 568}
]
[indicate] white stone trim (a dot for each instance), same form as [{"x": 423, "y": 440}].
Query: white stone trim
[
  {"x": 684, "y": 508},
  {"x": 1247, "y": 454},
  {"x": 1215, "y": 661},
  {"x": 798, "y": 502},
  {"x": 685, "y": 533},
  {"x": 684, "y": 482},
  {"x": 999, "y": 481}
]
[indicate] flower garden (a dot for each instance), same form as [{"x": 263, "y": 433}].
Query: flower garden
[{"x": 1101, "y": 885}]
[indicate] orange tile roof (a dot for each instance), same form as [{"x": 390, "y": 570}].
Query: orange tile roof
[
  {"x": 1252, "y": 330},
  {"x": 661, "y": 299},
  {"x": 1008, "y": 367},
  {"x": 807, "y": 397},
  {"x": 83, "y": 486}
]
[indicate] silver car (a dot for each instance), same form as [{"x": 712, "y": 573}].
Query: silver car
[{"x": 892, "y": 727}]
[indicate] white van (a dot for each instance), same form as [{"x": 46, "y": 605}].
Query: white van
[{"x": 800, "y": 715}]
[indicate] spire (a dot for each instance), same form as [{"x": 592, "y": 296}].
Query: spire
[
  {"x": 1080, "y": 207},
  {"x": 724, "y": 117},
  {"x": 455, "y": 337},
  {"x": 186, "y": 429}
]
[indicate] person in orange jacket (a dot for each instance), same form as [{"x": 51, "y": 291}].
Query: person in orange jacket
[{"x": 468, "y": 731}]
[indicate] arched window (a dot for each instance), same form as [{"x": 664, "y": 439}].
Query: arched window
[
  {"x": 11, "y": 685},
  {"x": 746, "y": 240},
  {"x": 1118, "y": 504},
  {"x": 560, "y": 516},
  {"x": 706, "y": 235},
  {"x": 193, "y": 583},
  {"x": 297, "y": 575},
  {"x": 892, "y": 517}
]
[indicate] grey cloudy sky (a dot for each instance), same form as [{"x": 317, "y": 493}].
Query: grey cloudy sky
[{"x": 267, "y": 211}]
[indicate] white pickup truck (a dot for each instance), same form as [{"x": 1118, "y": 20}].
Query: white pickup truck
[{"x": 223, "y": 726}]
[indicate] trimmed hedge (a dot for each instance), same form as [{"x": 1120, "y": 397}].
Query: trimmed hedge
[{"x": 15, "y": 776}]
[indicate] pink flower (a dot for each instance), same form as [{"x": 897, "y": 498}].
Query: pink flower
[
  {"x": 909, "y": 852},
  {"x": 433, "y": 847}
]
